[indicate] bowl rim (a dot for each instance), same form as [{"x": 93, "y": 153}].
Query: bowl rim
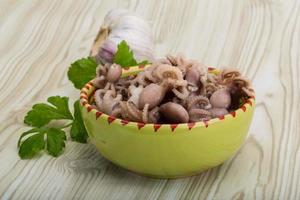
[{"x": 89, "y": 89}]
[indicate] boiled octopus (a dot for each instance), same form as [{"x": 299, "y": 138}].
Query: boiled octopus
[{"x": 172, "y": 90}]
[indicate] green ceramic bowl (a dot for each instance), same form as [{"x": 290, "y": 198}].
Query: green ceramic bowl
[{"x": 165, "y": 150}]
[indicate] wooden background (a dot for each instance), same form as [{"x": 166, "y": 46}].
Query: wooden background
[{"x": 39, "y": 39}]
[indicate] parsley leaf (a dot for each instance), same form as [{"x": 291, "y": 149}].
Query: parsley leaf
[
  {"x": 55, "y": 141},
  {"x": 41, "y": 113},
  {"x": 124, "y": 56},
  {"x": 51, "y": 139},
  {"x": 78, "y": 131},
  {"x": 82, "y": 71},
  {"x": 33, "y": 130},
  {"x": 35, "y": 143}
]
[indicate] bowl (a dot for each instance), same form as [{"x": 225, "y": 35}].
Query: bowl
[{"x": 165, "y": 150}]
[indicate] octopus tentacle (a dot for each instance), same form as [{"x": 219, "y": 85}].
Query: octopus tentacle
[
  {"x": 98, "y": 96},
  {"x": 134, "y": 113},
  {"x": 107, "y": 86},
  {"x": 200, "y": 102},
  {"x": 183, "y": 64},
  {"x": 212, "y": 78},
  {"x": 116, "y": 112},
  {"x": 192, "y": 88},
  {"x": 171, "y": 83},
  {"x": 124, "y": 110},
  {"x": 172, "y": 59},
  {"x": 181, "y": 59},
  {"x": 134, "y": 93},
  {"x": 177, "y": 100},
  {"x": 218, "y": 112},
  {"x": 248, "y": 91},
  {"x": 110, "y": 101},
  {"x": 140, "y": 79},
  {"x": 99, "y": 82},
  {"x": 124, "y": 82},
  {"x": 183, "y": 94},
  {"x": 112, "y": 87},
  {"x": 240, "y": 82},
  {"x": 154, "y": 115},
  {"x": 149, "y": 73},
  {"x": 210, "y": 88},
  {"x": 197, "y": 115},
  {"x": 229, "y": 74},
  {"x": 145, "y": 113},
  {"x": 163, "y": 72},
  {"x": 102, "y": 70}
]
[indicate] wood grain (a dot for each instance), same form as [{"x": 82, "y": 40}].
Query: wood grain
[{"x": 39, "y": 39}]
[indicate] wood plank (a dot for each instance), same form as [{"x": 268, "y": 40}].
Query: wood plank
[{"x": 39, "y": 39}]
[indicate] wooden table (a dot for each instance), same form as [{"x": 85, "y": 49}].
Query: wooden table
[{"x": 39, "y": 39}]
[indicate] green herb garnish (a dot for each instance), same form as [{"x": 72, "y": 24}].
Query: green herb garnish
[
  {"x": 124, "y": 56},
  {"x": 41, "y": 113},
  {"x": 82, "y": 71},
  {"x": 52, "y": 138},
  {"x": 78, "y": 132}
]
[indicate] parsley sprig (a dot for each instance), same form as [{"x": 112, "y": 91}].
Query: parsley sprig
[
  {"x": 49, "y": 137},
  {"x": 54, "y": 143},
  {"x": 52, "y": 138}
]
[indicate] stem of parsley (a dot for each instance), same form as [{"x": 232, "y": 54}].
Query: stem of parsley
[{"x": 66, "y": 126}]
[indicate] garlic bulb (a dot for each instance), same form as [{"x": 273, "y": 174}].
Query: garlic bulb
[{"x": 121, "y": 25}]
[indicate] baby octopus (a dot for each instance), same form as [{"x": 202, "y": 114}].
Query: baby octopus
[{"x": 171, "y": 90}]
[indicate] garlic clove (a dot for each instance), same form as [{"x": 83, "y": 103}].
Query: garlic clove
[
  {"x": 107, "y": 51},
  {"x": 113, "y": 15},
  {"x": 123, "y": 25}
]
